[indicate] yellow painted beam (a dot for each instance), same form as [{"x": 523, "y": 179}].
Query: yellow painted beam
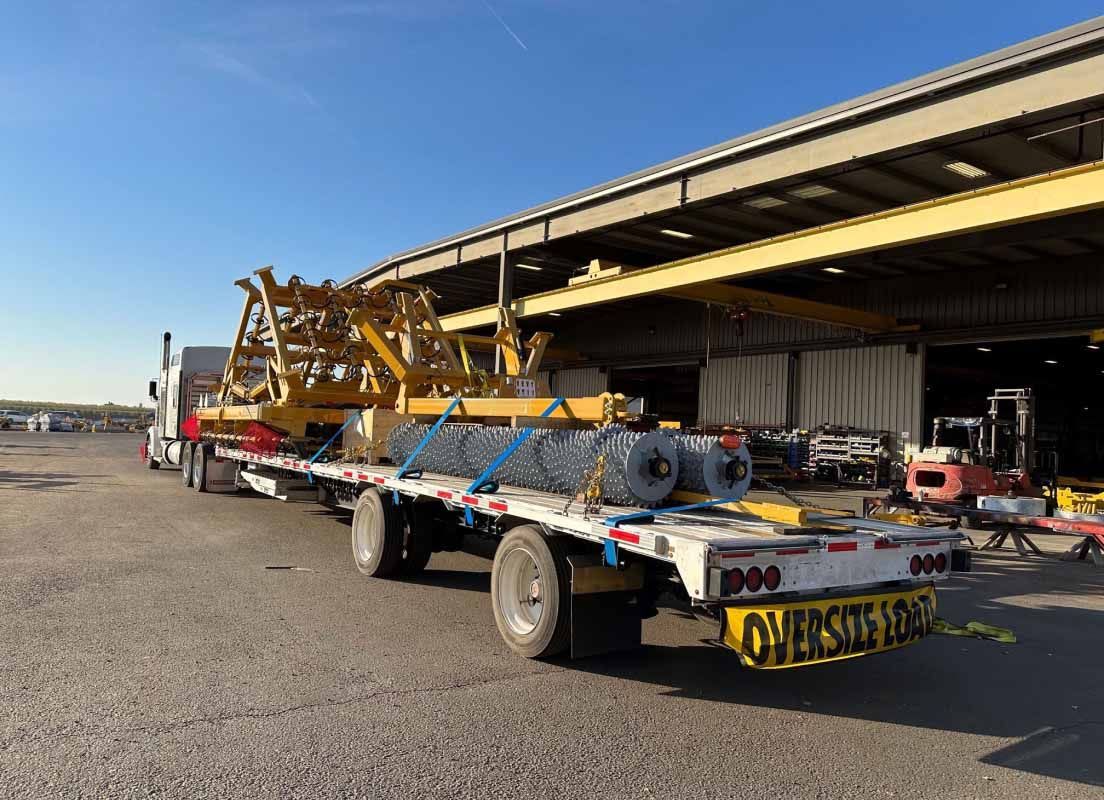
[
  {"x": 1053, "y": 194},
  {"x": 591, "y": 409},
  {"x": 783, "y": 306}
]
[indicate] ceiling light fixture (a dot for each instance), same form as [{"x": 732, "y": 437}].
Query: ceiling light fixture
[
  {"x": 1093, "y": 346},
  {"x": 1050, "y": 361},
  {"x": 677, "y": 234},
  {"x": 764, "y": 202},
  {"x": 810, "y": 191},
  {"x": 965, "y": 170},
  {"x": 554, "y": 314},
  {"x": 985, "y": 349},
  {"x": 835, "y": 270},
  {"x": 532, "y": 267}
]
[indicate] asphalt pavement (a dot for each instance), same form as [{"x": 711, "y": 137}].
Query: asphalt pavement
[{"x": 146, "y": 649}]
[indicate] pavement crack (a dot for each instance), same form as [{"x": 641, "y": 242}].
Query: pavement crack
[{"x": 121, "y": 734}]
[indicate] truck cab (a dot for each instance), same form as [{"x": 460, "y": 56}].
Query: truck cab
[{"x": 186, "y": 378}]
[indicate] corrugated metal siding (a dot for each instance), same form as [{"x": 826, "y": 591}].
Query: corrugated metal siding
[
  {"x": 751, "y": 389},
  {"x": 874, "y": 387},
  {"x": 956, "y": 301},
  {"x": 579, "y": 382}
]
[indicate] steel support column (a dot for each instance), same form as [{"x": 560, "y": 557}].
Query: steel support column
[{"x": 506, "y": 262}]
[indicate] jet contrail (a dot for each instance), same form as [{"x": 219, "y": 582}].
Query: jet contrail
[{"x": 502, "y": 22}]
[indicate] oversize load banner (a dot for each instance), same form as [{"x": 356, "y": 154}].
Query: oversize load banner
[{"x": 799, "y": 633}]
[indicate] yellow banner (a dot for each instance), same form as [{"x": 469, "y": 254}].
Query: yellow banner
[{"x": 798, "y": 633}]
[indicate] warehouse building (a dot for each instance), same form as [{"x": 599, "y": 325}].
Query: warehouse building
[{"x": 875, "y": 264}]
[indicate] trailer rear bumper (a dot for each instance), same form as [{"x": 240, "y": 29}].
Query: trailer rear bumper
[{"x": 811, "y": 631}]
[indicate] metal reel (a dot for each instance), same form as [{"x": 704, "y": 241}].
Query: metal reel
[
  {"x": 651, "y": 466},
  {"x": 727, "y": 471}
]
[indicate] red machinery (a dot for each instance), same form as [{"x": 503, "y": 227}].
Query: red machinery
[{"x": 997, "y": 458}]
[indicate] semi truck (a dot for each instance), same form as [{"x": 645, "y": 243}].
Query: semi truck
[
  {"x": 786, "y": 585},
  {"x": 185, "y": 378}
]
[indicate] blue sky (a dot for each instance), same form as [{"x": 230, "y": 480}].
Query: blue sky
[{"x": 152, "y": 153}]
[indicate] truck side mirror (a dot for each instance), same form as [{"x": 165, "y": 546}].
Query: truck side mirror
[{"x": 153, "y": 390}]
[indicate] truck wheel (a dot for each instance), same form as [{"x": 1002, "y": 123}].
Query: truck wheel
[
  {"x": 151, "y": 462},
  {"x": 377, "y": 535},
  {"x": 186, "y": 464},
  {"x": 530, "y": 592},
  {"x": 199, "y": 467},
  {"x": 418, "y": 544}
]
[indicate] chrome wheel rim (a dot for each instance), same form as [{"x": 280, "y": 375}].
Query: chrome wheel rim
[
  {"x": 362, "y": 539},
  {"x": 521, "y": 591}
]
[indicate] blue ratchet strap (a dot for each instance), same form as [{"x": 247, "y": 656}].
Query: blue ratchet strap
[
  {"x": 404, "y": 470},
  {"x": 322, "y": 449},
  {"x": 482, "y": 484},
  {"x": 649, "y": 513}
]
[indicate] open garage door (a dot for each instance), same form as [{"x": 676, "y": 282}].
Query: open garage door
[
  {"x": 670, "y": 392},
  {"x": 1066, "y": 376}
]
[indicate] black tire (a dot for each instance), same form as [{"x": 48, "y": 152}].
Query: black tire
[
  {"x": 544, "y": 632},
  {"x": 151, "y": 462},
  {"x": 418, "y": 538},
  {"x": 199, "y": 468},
  {"x": 186, "y": 464},
  {"x": 377, "y": 535}
]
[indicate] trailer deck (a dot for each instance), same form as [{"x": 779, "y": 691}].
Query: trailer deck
[{"x": 831, "y": 552}]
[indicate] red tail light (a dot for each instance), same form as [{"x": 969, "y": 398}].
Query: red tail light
[
  {"x": 941, "y": 562},
  {"x": 915, "y": 565},
  {"x": 772, "y": 577},
  {"x": 754, "y": 579},
  {"x": 735, "y": 581},
  {"x": 929, "y": 564}
]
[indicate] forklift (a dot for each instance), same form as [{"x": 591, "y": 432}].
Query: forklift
[{"x": 977, "y": 457}]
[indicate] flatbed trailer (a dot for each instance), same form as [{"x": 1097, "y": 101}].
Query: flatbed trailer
[{"x": 564, "y": 579}]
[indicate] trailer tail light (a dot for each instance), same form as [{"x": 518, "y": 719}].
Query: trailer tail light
[
  {"x": 915, "y": 565},
  {"x": 754, "y": 579},
  {"x": 929, "y": 564},
  {"x": 772, "y": 578},
  {"x": 735, "y": 581},
  {"x": 941, "y": 562}
]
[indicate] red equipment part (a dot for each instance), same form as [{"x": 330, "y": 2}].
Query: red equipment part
[
  {"x": 190, "y": 428},
  {"x": 946, "y": 482},
  {"x": 731, "y": 441},
  {"x": 261, "y": 440}
]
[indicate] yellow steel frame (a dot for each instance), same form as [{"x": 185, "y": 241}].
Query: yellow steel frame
[
  {"x": 784, "y": 306},
  {"x": 1067, "y": 191},
  {"x": 581, "y": 409}
]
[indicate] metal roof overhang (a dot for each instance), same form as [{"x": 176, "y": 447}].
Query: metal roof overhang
[
  {"x": 872, "y": 150},
  {"x": 1035, "y": 199}
]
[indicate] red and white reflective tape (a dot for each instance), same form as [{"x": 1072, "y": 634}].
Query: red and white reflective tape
[{"x": 623, "y": 536}]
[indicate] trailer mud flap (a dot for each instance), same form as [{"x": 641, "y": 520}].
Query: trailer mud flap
[{"x": 799, "y": 633}]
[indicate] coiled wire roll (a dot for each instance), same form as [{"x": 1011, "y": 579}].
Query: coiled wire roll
[{"x": 640, "y": 468}]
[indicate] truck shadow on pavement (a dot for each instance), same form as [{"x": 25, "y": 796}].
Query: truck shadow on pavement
[
  {"x": 43, "y": 481},
  {"x": 7, "y": 445},
  {"x": 1044, "y": 691}
]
